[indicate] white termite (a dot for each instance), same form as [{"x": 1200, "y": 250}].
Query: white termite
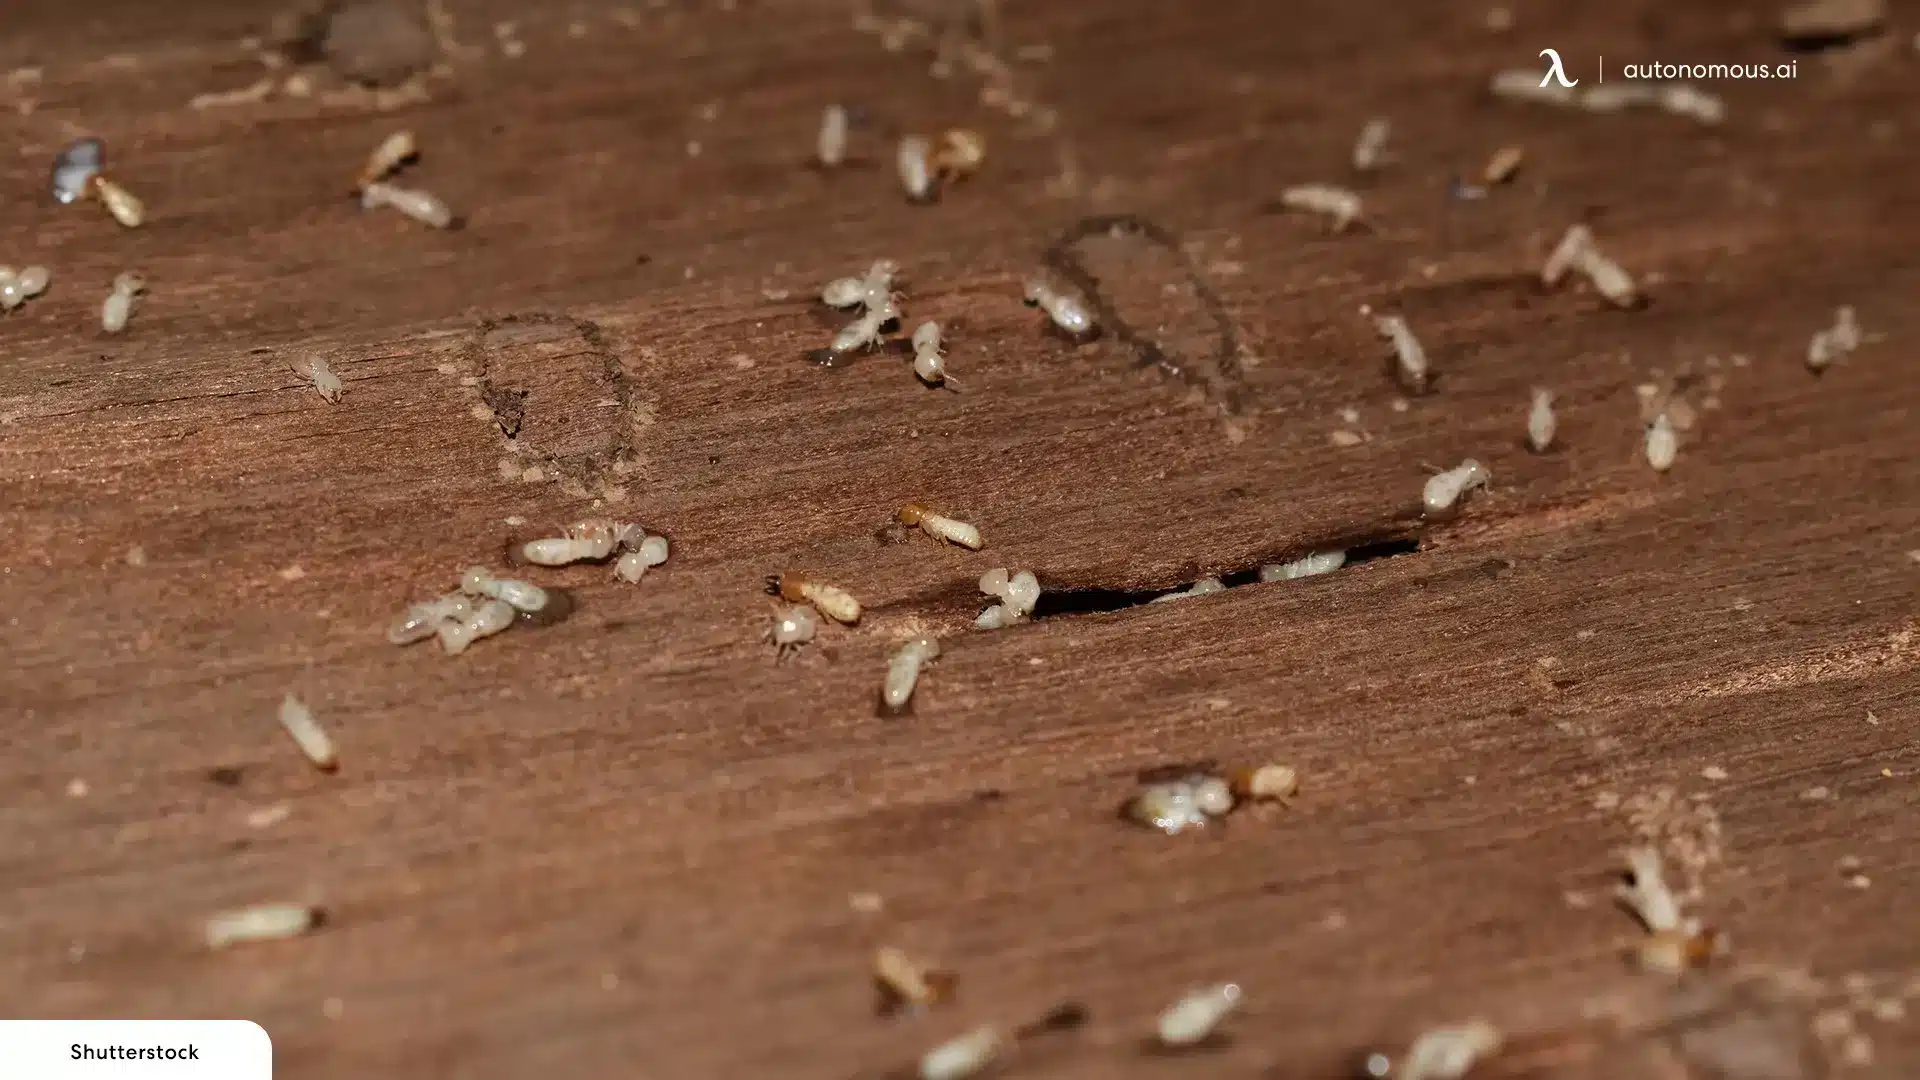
[
  {"x": 1337, "y": 203},
  {"x": 792, "y": 628},
  {"x": 1194, "y": 1017},
  {"x": 914, "y": 161},
  {"x": 1019, "y": 594},
  {"x": 394, "y": 151},
  {"x": 523, "y": 595},
  {"x": 308, "y": 734},
  {"x": 1410, "y": 356},
  {"x": 1610, "y": 278},
  {"x": 1204, "y": 587},
  {"x": 830, "y": 600},
  {"x": 960, "y": 153},
  {"x": 843, "y": 293},
  {"x": 1276, "y": 783},
  {"x": 1663, "y": 443},
  {"x": 1370, "y": 149},
  {"x": 1448, "y": 1053},
  {"x": 963, "y": 1056},
  {"x": 591, "y": 539},
  {"x": 422, "y": 206},
  {"x": 321, "y": 377},
  {"x": 1566, "y": 255},
  {"x": 1309, "y": 565},
  {"x": 862, "y": 333},
  {"x": 1541, "y": 424},
  {"x": 631, "y": 566},
  {"x": 421, "y": 621},
  {"x": 118, "y": 306},
  {"x": 263, "y": 922},
  {"x": 1647, "y": 895},
  {"x": 1833, "y": 342},
  {"x": 940, "y": 527},
  {"x": 17, "y": 289},
  {"x": 1068, "y": 310},
  {"x": 1523, "y": 84},
  {"x": 1445, "y": 489},
  {"x": 903, "y": 671},
  {"x": 830, "y": 146},
  {"x": 490, "y": 618},
  {"x": 928, "y": 362},
  {"x": 1174, "y": 806}
]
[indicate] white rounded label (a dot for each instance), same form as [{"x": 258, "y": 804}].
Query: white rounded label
[{"x": 135, "y": 1050}]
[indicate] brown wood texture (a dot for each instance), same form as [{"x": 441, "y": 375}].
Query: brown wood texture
[{"x": 623, "y": 845}]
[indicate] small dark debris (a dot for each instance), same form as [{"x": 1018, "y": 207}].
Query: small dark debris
[
  {"x": 509, "y": 407},
  {"x": 560, "y": 605},
  {"x": 989, "y": 795},
  {"x": 225, "y": 775},
  {"x": 378, "y": 42},
  {"x": 1167, "y": 774},
  {"x": 1067, "y": 1016}
]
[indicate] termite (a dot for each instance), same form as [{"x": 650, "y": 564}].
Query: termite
[
  {"x": 307, "y": 733},
  {"x": 928, "y": 363},
  {"x": 833, "y": 602},
  {"x": 940, "y": 527},
  {"x": 962, "y": 1057},
  {"x": 1337, "y": 203},
  {"x": 1198, "y": 1015},
  {"x": 394, "y": 151},
  {"x": 490, "y": 618},
  {"x": 1019, "y": 594},
  {"x": 631, "y": 566},
  {"x": 1444, "y": 489},
  {"x": 264, "y": 922},
  {"x": 1833, "y": 342},
  {"x": 1370, "y": 149},
  {"x": 77, "y": 173},
  {"x": 1503, "y": 164},
  {"x": 1409, "y": 355},
  {"x": 524, "y": 596},
  {"x": 1175, "y": 806},
  {"x": 17, "y": 289},
  {"x": 421, "y": 621},
  {"x": 118, "y": 307},
  {"x": 1309, "y": 565},
  {"x": 959, "y": 155},
  {"x": 1068, "y": 310},
  {"x": 830, "y": 146},
  {"x": 903, "y": 671},
  {"x": 324, "y": 381},
  {"x": 913, "y": 160},
  {"x": 1567, "y": 254},
  {"x": 863, "y": 332},
  {"x": 1663, "y": 444},
  {"x": 1541, "y": 424},
  {"x": 422, "y": 206},
  {"x": 590, "y": 540},
  {"x": 793, "y": 627}
]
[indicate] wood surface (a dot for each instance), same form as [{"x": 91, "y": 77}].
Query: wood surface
[{"x": 624, "y": 845}]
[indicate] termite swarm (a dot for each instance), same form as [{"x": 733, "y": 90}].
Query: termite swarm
[
  {"x": 321, "y": 377},
  {"x": 17, "y": 289},
  {"x": 77, "y": 174},
  {"x": 1445, "y": 489},
  {"x": 830, "y": 600},
  {"x": 1370, "y": 149},
  {"x": 830, "y": 146},
  {"x": 1340, "y": 206},
  {"x": 903, "y": 671},
  {"x": 1068, "y": 310},
  {"x": 1541, "y": 424},
  {"x": 793, "y": 627},
  {"x": 118, "y": 306},
  {"x": 1019, "y": 594},
  {"x": 940, "y": 527}
]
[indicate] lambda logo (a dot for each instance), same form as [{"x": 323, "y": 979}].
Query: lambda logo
[{"x": 1555, "y": 71}]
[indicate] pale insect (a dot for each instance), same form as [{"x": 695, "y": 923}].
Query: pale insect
[
  {"x": 589, "y": 540},
  {"x": 830, "y": 146},
  {"x": 1309, "y": 565},
  {"x": 1276, "y": 783},
  {"x": 490, "y": 618},
  {"x": 1663, "y": 443},
  {"x": 1068, "y": 310},
  {"x": 1449, "y": 1053},
  {"x": 1370, "y": 149},
  {"x": 1503, "y": 164},
  {"x": 1019, "y": 595},
  {"x": 264, "y": 922},
  {"x": 118, "y": 306},
  {"x": 1445, "y": 489},
  {"x": 1577, "y": 240},
  {"x": 940, "y": 527},
  {"x": 1833, "y": 342},
  {"x": 1337, "y": 203},
  {"x": 421, "y": 621},
  {"x": 321, "y": 377},
  {"x": 1675, "y": 941},
  {"x": 913, "y": 160},
  {"x": 959, "y": 155},
  {"x": 792, "y": 628},
  {"x": 1204, "y": 587},
  {"x": 633, "y": 565},
  {"x": 1175, "y": 806},
  {"x": 903, "y": 671},
  {"x": 422, "y": 206},
  {"x": 76, "y": 174},
  {"x": 1194, "y": 1017},
  {"x": 962, "y": 1057},
  {"x": 1610, "y": 278},
  {"x": 307, "y": 733},
  {"x": 524, "y": 596},
  {"x": 928, "y": 363},
  {"x": 394, "y": 151},
  {"x": 1409, "y": 354},
  {"x": 863, "y": 332},
  {"x": 904, "y": 983},
  {"x": 17, "y": 289},
  {"x": 832, "y": 601},
  {"x": 843, "y": 293},
  {"x": 1541, "y": 424}
]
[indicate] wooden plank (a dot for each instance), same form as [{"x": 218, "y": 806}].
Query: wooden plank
[{"x": 631, "y": 836}]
